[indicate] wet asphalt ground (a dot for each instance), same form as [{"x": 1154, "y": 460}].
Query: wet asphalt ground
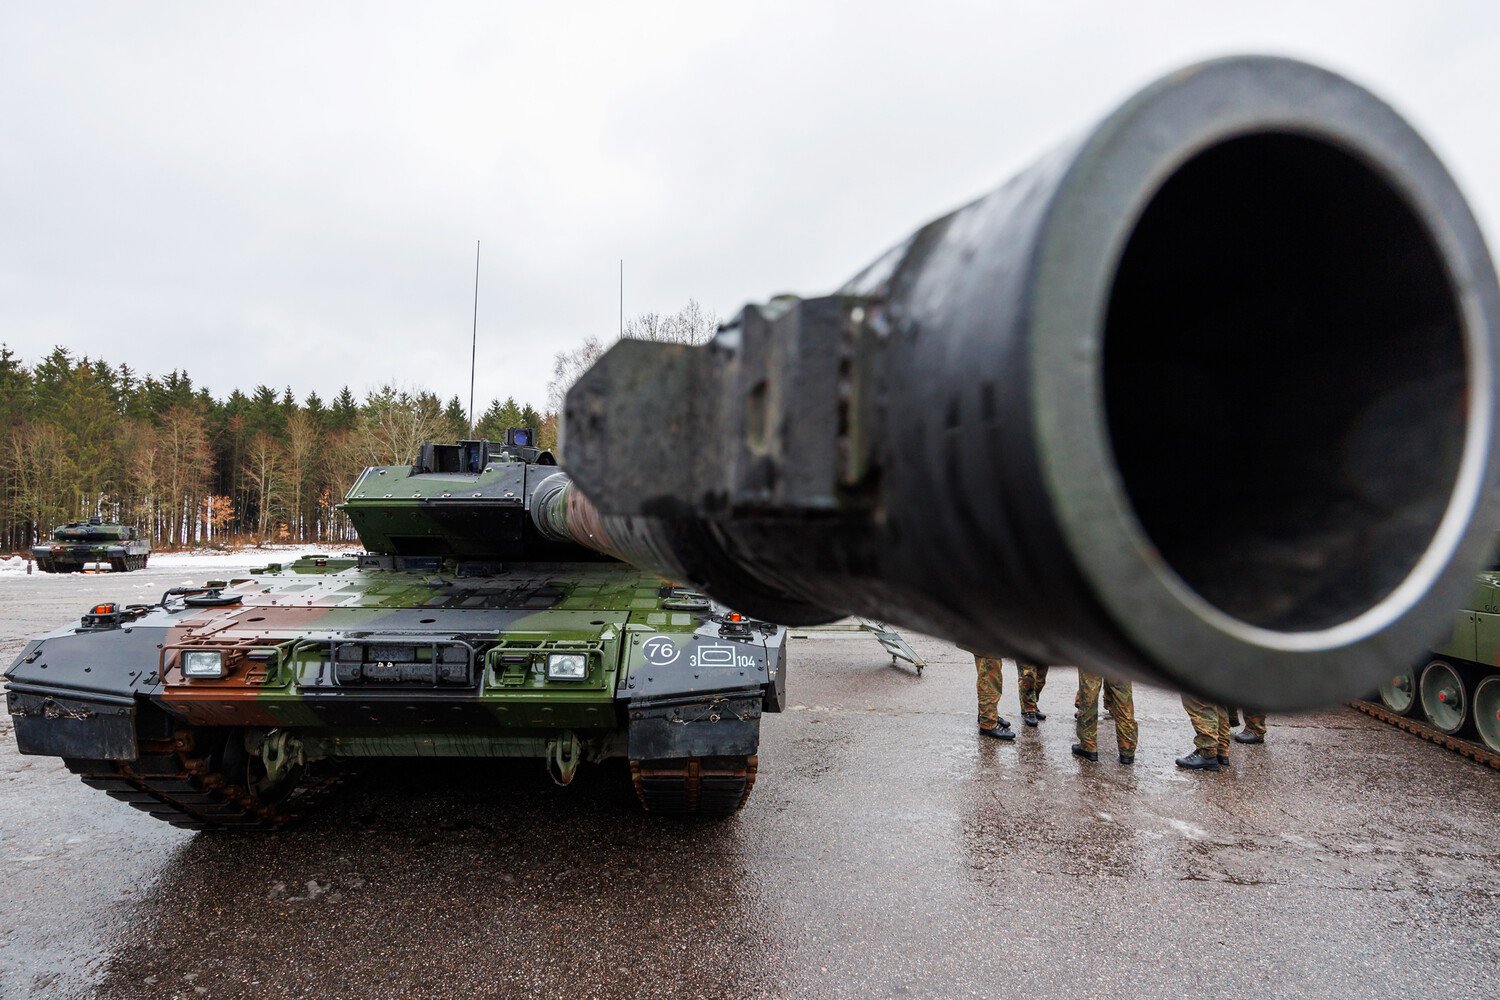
[{"x": 885, "y": 852}]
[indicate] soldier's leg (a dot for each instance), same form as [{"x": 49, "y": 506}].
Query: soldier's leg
[
  {"x": 1088, "y": 711},
  {"x": 1222, "y": 731},
  {"x": 1205, "y": 719},
  {"x": 1026, "y": 685},
  {"x": 1256, "y": 724},
  {"x": 990, "y": 682},
  {"x": 1120, "y": 696}
]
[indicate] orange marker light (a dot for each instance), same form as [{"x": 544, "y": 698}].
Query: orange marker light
[
  {"x": 104, "y": 609},
  {"x": 735, "y": 616}
]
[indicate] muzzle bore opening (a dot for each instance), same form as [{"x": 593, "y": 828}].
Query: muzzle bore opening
[{"x": 1285, "y": 381}]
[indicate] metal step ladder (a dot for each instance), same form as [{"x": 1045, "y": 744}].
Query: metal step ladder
[{"x": 888, "y": 637}]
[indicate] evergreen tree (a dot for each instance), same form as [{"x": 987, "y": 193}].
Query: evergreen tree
[
  {"x": 344, "y": 412},
  {"x": 457, "y": 418},
  {"x": 530, "y": 418},
  {"x": 498, "y": 418},
  {"x": 316, "y": 410}
]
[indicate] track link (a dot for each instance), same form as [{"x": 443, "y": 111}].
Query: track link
[
  {"x": 702, "y": 786},
  {"x": 1469, "y": 748},
  {"x": 171, "y": 784}
]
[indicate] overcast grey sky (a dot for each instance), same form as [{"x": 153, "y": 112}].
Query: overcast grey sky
[{"x": 290, "y": 193}]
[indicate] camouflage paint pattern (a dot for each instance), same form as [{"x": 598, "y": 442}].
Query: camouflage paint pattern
[
  {"x": 1119, "y": 699},
  {"x": 990, "y": 684},
  {"x": 1210, "y": 726},
  {"x": 1030, "y": 679},
  {"x": 286, "y": 637},
  {"x": 1255, "y": 724}
]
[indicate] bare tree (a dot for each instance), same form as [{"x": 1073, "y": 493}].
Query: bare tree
[
  {"x": 43, "y": 475},
  {"x": 185, "y": 458},
  {"x": 301, "y": 451},
  {"x": 692, "y": 324},
  {"x": 143, "y": 473},
  {"x": 265, "y": 472},
  {"x": 567, "y": 366}
]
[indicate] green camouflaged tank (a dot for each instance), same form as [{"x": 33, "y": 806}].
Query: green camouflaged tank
[
  {"x": 489, "y": 618},
  {"x": 1456, "y": 689},
  {"x": 75, "y": 545}
]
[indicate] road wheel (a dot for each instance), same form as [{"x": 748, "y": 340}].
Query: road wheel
[
  {"x": 1445, "y": 696},
  {"x": 1398, "y": 692},
  {"x": 1487, "y": 711}
]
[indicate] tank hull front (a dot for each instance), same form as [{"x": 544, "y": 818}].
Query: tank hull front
[{"x": 331, "y": 659}]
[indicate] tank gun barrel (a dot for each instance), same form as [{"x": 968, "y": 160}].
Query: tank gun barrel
[
  {"x": 561, "y": 513},
  {"x": 1205, "y": 397}
]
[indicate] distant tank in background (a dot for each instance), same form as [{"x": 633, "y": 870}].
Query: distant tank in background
[{"x": 75, "y": 545}]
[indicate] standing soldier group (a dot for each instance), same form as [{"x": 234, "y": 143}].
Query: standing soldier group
[{"x": 1211, "y": 722}]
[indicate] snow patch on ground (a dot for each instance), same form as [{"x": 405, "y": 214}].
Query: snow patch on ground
[{"x": 206, "y": 559}]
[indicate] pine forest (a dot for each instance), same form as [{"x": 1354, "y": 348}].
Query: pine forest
[{"x": 79, "y": 437}]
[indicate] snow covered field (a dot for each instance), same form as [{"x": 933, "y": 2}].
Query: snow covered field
[{"x": 204, "y": 560}]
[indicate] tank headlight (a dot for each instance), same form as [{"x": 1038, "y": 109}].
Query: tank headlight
[
  {"x": 202, "y": 663},
  {"x": 567, "y": 667}
]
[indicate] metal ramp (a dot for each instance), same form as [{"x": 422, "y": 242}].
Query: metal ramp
[{"x": 888, "y": 637}]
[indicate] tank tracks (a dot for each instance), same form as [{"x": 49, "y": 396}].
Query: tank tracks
[
  {"x": 1469, "y": 748},
  {"x": 168, "y": 782},
  {"x": 124, "y": 565},
  {"x": 703, "y": 786}
]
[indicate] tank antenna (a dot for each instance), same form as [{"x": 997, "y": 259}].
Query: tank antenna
[
  {"x": 622, "y": 296},
  {"x": 474, "y": 339}
]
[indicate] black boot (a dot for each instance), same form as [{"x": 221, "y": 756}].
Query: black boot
[
  {"x": 1040, "y": 716},
  {"x": 1246, "y": 736},
  {"x": 1223, "y": 760},
  {"x": 1001, "y": 732},
  {"x": 1079, "y": 751},
  {"x": 1197, "y": 761},
  {"x": 1127, "y": 758},
  {"x": 1029, "y": 718}
]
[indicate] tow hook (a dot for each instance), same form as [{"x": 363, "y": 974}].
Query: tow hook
[
  {"x": 280, "y": 751},
  {"x": 563, "y": 756}
]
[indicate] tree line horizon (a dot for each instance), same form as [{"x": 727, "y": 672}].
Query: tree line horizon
[{"x": 82, "y": 437}]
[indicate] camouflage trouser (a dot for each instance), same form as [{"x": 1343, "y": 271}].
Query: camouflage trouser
[
  {"x": 991, "y": 683},
  {"x": 1255, "y": 724},
  {"x": 1210, "y": 726},
  {"x": 1030, "y": 679},
  {"x": 1119, "y": 698}
]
